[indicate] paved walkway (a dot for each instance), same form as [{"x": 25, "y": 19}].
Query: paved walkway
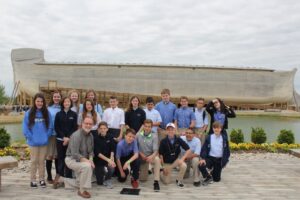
[{"x": 248, "y": 176}]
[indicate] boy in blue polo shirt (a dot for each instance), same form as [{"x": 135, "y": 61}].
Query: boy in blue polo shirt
[
  {"x": 214, "y": 154},
  {"x": 127, "y": 155},
  {"x": 184, "y": 117}
]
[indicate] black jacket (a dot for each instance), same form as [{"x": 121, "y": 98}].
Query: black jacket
[
  {"x": 226, "y": 151},
  {"x": 171, "y": 152},
  {"x": 65, "y": 123},
  {"x": 135, "y": 118},
  {"x": 104, "y": 145},
  {"x": 229, "y": 113}
]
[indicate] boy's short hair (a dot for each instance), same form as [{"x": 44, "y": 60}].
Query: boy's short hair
[
  {"x": 148, "y": 121},
  {"x": 217, "y": 124},
  {"x": 103, "y": 123},
  {"x": 149, "y": 100},
  {"x": 200, "y": 99},
  {"x": 165, "y": 91},
  {"x": 113, "y": 97},
  {"x": 184, "y": 97},
  {"x": 130, "y": 130}
]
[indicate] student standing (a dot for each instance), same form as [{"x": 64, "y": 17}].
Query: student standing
[
  {"x": 152, "y": 114},
  {"x": 218, "y": 111},
  {"x": 166, "y": 110},
  {"x": 74, "y": 96},
  {"x": 37, "y": 128},
  {"x": 214, "y": 155},
  {"x": 169, "y": 151},
  {"x": 134, "y": 116},
  {"x": 79, "y": 157},
  {"x": 65, "y": 126},
  {"x": 88, "y": 110},
  {"x": 184, "y": 117},
  {"x": 148, "y": 151},
  {"x": 91, "y": 95},
  {"x": 53, "y": 108},
  {"x": 192, "y": 160},
  {"x": 104, "y": 148},
  {"x": 201, "y": 119},
  {"x": 115, "y": 119},
  {"x": 127, "y": 155}
]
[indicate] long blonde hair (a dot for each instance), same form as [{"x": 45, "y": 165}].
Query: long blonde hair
[{"x": 78, "y": 101}]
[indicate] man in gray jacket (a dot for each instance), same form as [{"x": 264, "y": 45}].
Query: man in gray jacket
[{"x": 79, "y": 156}]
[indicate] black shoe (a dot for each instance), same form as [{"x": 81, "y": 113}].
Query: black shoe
[
  {"x": 179, "y": 184},
  {"x": 42, "y": 184},
  {"x": 33, "y": 185},
  {"x": 207, "y": 181},
  {"x": 156, "y": 186},
  {"x": 149, "y": 172},
  {"x": 197, "y": 184}
]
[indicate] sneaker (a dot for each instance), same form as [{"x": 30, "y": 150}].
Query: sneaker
[
  {"x": 207, "y": 181},
  {"x": 179, "y": 184},
  {"x": 156, "y": 186},
  {"x": 197, "y": 184},
  {"x": 33, "y": 185},
  {"x": 42, "y": 184},
  {"x": 134, "y": 183},
  {"x": 108, "y": 184}
]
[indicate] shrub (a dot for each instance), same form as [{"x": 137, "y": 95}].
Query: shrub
[
  {"x": 258, "y": 135},
  {"x": 286, "y": 136},
  {"x": 237, "y": 136},
  {"x": 4, "y": 138}
]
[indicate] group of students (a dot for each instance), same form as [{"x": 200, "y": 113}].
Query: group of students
[{"x": 83, "y": 140}]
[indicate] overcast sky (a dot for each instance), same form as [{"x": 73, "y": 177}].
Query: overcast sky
[{"x": 228, "y": 33}]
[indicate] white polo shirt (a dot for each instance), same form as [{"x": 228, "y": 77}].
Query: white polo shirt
[
  {"x": 114, "y": 117},
  {"x": 216, "y": 146}
]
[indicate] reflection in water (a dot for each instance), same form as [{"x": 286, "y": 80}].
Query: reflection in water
[{"x": 272, "y": 126}]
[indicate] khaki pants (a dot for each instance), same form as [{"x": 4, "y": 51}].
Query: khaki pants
[
  {"x": 83, "y": 172},
  {"x": 194, "y": 163},
  {"x": 37, "y": 158},
  {"x": 201, "y": 135},
  {"x": 145, "y": 166},
  {"x": 166, "y": 179}
]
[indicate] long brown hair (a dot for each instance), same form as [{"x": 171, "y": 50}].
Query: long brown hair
[
  {"x": 130, "y": 107},
  {"x": 95, "y": 96},
  {"x": 33, "y": 110},
  {"x": 51, "y": 100},
  {"x": 93, "y": 112}
]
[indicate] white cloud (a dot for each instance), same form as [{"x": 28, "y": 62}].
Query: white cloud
[{"x": 230, "y": 33}]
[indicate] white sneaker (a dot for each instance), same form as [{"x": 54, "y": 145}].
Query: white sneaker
[{"x": 108, "y": 184}]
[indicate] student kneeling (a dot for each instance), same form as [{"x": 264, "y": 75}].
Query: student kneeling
[
  {"x": 148, "y": 147},
  {"x": 127, "y": 155},
  {"x": 169, "y": 151},
  {"x": 214, "y": 155},
  {"x": 104, "y": 147}
]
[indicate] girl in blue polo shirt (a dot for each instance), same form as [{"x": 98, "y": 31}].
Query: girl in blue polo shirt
[
  {"x": 218, "y": 111},
  {"x": 53, "y": 108}
]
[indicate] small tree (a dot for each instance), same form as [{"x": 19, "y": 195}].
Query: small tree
[
  {"x": 237, "y": 136},
  {"x": 286, "y": 136},
  {"x": 258, "y": 135},
  {"x": 3, "y": 97},
  {"x": 4, "y": 138}
]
